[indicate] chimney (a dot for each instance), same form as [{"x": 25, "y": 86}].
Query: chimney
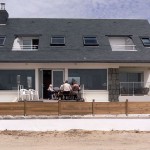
[
  {"x": 2, "y": 6},
  {"x": 3, "y": 14}
]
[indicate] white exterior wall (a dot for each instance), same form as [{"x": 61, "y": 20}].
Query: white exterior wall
[
  {"x": 98, "y": 96},
  {"x": 7, "y": 96}
]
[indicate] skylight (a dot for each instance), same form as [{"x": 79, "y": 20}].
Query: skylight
[
  {"x": 90, "y": 41},
  {"x": 146, "y": 41},
  {"x": 2, "y": 40},
  {"x": 57, "y": 41}
]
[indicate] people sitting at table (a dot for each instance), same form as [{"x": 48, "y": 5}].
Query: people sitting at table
[{"x": 66, "y": 91}]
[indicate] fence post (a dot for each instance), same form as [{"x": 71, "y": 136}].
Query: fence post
[
  {"x": 126, "y": 107},
  {"x": 24, "y": 107},
  {"x": 93, "y": 107},
  {"x": 59, "y": 107}
]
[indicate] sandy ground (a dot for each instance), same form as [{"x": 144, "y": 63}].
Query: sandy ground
[{"x": 75, "y": 140}]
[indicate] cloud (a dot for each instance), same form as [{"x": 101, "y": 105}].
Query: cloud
[{"x": 139, "y": 9}]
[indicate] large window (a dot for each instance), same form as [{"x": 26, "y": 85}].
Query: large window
[
  {"x": 93, "y": 79},
  {"x": 9, "y": 79}
]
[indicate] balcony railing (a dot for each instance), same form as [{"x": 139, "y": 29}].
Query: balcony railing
[
  {"x": 123, "y": 47},
  {"x": 134, "y": 88},
  {"x": 25, "y": 47}
]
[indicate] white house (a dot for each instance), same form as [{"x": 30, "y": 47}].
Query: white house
[{"x": 110, "y": 58}]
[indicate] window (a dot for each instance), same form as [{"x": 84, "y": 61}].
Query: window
[
  {"x": 93, "y": 79},
  {"x": 131, "y": 77},
  {"x": 2, "y": 40},
  {"x": 146, "y": 41},
  {"x": 57, "y": 41},
  {"x": 9, "y": 79},
  {"x": 123, "y": 43},
  {"x": 90, "y": 41}
]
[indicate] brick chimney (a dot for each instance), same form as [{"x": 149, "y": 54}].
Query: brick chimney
[{"x": 3, "y": 14}]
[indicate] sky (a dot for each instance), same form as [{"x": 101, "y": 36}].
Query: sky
[{"x": 104, "y": 9}]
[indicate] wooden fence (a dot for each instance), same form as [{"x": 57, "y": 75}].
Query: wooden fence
[{"x": 73, "y": 108}]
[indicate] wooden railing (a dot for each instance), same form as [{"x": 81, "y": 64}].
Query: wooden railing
[{"x": 73, "y": 108}]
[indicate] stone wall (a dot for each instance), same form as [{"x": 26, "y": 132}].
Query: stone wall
[{"x": 113, "y": 84}]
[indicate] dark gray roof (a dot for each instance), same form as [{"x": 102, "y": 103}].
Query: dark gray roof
[{"x": 74, "y": 30}]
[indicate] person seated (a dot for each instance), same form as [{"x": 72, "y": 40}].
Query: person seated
[
  {"x": 75, "y": 90},
  {"x": 56, "y": 92},
  {"x": 75, "y": 86},
  {"x": 60, "y": 93},
  {"x": 50, "y": 91},
  {"x": 66, "y": 90}
]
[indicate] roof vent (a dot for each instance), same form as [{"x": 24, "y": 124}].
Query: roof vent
[{"x": 3, "y": 14}]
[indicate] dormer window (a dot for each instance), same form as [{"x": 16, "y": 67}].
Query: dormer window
[
  {"x": 90, "y": 41},
  {"x": 146, "y": 41},
  {"x": 57, "y": 41},
  {"x": 26, "y": 44},
  {"x": 121, "y": 43},
  {"x": 2, "y": 40}
]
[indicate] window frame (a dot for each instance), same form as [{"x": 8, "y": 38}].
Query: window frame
[
  {"x": 9, "y": 78},
  {"x": 57, "y": 44},
  {"x": 144, "y": 44},
  {"x": 4, "y": 39},
  {"x": 90, "y": 44}
]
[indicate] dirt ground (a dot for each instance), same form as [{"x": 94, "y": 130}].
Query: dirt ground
[{"x": 75, "y": 140}]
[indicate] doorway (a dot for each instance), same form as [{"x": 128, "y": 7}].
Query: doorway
[
  {"x": 54, "y": 77},
  {"x": 47, "y": 79}
]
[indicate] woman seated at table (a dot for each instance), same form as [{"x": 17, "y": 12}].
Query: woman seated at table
[
  {"x": 50, "y": 92},
  {"x": 75, "y": 90}
]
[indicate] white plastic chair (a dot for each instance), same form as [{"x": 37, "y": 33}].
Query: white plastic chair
[
  {"x": 24, "y": 94},
  {"x": 34, "y": 95}
]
